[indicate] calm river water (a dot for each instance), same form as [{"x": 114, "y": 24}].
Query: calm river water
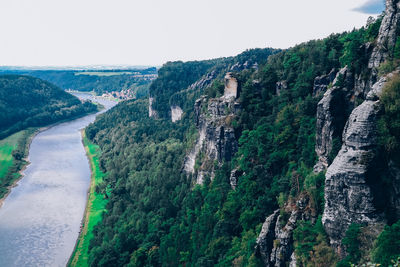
[{"x": 40, "y": 219}]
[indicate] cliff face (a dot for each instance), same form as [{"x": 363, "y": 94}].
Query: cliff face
[
  {"x": 152, "y": 112},
  {"x": 387, "y": 35},
  {"x": 353, "y": 187},
  {"x": 176, "y": 113},
  {"x": 275, "y": 242},
  {"x": 348, "y": 195},
  {"x": 216, "y": 142},
  {"x": 332, "y": 111}
]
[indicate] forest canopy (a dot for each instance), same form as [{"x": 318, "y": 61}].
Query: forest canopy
[{"x": 30, "y": 102}]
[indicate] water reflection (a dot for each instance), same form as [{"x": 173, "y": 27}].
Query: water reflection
[{"x": 40, "y": 219}]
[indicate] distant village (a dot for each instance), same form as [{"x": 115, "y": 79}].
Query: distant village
[{"x": 123, "y": 95}]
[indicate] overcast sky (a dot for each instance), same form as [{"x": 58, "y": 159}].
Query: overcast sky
[{"x": 151, "y": 32}]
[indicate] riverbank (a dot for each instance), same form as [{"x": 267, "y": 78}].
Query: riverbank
[
  {"x": 94, "y": 208},
  {"x": 11, "y": 167}
]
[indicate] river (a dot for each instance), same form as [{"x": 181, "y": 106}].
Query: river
[{"x": 41, "y": 218}]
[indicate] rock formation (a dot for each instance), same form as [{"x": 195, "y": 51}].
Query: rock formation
[
  {"x": 332, "y": 112},
  {"x": 348, "y": 197},
  {"x": 204, "y": 82},
  {"x": 216, "y": 142},
  {"x": 352, "y": 183},
  {"x": 388, "y": 33},
  {"x": 231, "y": 86},
  {"x": 152, "y": 112},
  {"x": 275, "y": 242},
  {"x": 321, "y": 83},
  {"x": 176, "y": 113},
  {"x": 234, "y": 177}
]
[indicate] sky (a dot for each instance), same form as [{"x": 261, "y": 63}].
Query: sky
[{"x": 152, "y": 32}]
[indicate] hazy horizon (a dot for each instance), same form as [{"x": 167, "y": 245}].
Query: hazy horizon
[{"x": 61, "y": 33}]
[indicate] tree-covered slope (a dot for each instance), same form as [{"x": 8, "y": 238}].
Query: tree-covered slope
[
  {"x": 137, "y": 81},
  {"x": 30, "y": 102},
  {"x": 176, "y": 82},
  {"x": 263, "y": 206}
]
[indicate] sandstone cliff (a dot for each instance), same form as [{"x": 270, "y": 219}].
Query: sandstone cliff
[
  {"x": 275, "y": 242},
  {"x": 216, "y": 140},
  {"x": 353, "y": 187}
]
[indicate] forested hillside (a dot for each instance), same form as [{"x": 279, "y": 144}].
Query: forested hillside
[
  {"x": 31, "y": 102},
  {"x": 137, "y": 81},
  {"x": 263, "y": 201},
  {"x": 179, "y": 82}
]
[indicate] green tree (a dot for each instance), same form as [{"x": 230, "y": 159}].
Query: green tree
[{"x": 387, "y": 245}]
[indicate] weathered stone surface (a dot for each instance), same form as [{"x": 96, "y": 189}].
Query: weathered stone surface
[
  {"x": 364, "y": 81},
  {"x": 275, "y": 242},
  {"x": 283, "y": 249},
  {"x": 387, "y": 35},
  {"x": 233, "y": 179},
  {"x": 321, "y": 83},
  {"x": 204, "y": 82},
  {"x": 332, "y": 112},
  {"x": 190, "y": 159},
  {"x": 353, "y": 188},
  {"x": 246, "y": 65},
  {"x": 266, "y": 237},
  {"x": 231, "y": 86},
  {"x": 152, "y": 112},
  {"x": 176, "y": 113},
  {"x": 348, "y": 196},
  {"x": 376, "y": 90},
  {"x": 293, "y": 260},
  {"x": 217, "y": 141}
]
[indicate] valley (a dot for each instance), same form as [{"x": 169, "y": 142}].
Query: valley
[{"x": 270, "y": 157}]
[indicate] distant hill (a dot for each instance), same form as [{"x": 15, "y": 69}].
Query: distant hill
[
  {"x": 135, "y": 82},
  {"x": 29, "y": 102}
]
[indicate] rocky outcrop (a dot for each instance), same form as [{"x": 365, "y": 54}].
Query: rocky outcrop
[
  {"x": 204, "y": 82},
  {"x": 190, "y": 159},
  {"x": 388, "y": 33},
  {"x": 349, "y": 196},
  {"x": 233, "y": 179},
  {"x": 176, "y": 113},
  {"x": 353, "y": 185},
  {"x": 321, "y": 83},
  {"x": 275, "y": 242},
  {"x": 216, "y": 142},
  {"x": 219, "y": 143},
  {"x": 332, "y": 112},
  {"x": 231, "y": 86},
  {"x": 283, "y": 243},
  {"x": 265, "y": 240},
  {"x": 238, "y": 67},
  {"x": 293, "y": 260},
  {"x": 152, "y": 112}
]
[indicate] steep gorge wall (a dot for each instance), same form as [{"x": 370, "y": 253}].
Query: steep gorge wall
[
  {"x": 348, "y": 193},
  {"x": 352, "y": 187},
  {"x": 216, "y": 141}
]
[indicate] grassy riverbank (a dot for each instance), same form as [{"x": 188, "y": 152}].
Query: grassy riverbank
[
  {"x": 13, "y": 151},
  {"x": 94, "y": 207}
]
